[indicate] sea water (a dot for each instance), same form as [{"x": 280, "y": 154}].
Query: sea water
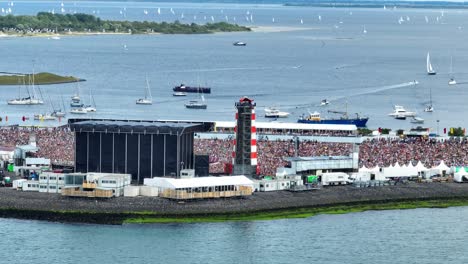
[
  {"x": 395, "y": 236},
  {"x": 286, "y": 63}
]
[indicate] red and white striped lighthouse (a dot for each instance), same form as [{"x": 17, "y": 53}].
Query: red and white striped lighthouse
[{"x": 244, "y": 154}]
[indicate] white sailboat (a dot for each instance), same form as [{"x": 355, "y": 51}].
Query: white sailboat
[
  {"x": 429, "y": 68},
  {"x": 92, "y": 105},
  {"x": 31, "y": 99},
  {"x": 429, "y": 108},
  {"x": 197, "y": 104},
  {"x": 148, "y": 100},
  {"x": 452, "y": 79}
]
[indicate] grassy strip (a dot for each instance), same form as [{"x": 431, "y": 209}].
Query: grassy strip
[
  {"x": 296, "y": 213},
  {"x": 39, "y": 78}
]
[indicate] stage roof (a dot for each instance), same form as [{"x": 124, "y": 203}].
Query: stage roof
[{"x": 140, "y": 127}]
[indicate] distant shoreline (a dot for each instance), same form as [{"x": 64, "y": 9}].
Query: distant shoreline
[
  {"x": 381, "y": 4},
  {"x": 259, "y": 206}
]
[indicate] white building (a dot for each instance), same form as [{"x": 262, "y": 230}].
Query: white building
[
  {"x": 93, "y": 184},
  {"x": 30, "y": 186},
  {"x": 201, "y": 187}
]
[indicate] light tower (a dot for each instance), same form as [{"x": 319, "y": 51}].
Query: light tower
[{"x": 244, "y": 155}]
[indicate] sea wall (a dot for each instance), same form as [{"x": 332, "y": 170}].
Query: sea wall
[{"x": 54, "y": 207}]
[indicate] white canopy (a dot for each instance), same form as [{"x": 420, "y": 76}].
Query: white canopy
[
  {"x": 442, "y": 167},
  {"x": 291, "y": 126},
  {"x": 420, "y": 166},
  {"x": 171, "y": 183}
]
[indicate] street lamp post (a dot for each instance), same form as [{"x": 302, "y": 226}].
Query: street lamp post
[{"x": 438, "y": 127}]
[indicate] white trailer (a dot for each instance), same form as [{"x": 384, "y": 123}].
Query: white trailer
[
  {"x": 31, "y": 186},
  {"x": 18, "y": 184},
  {"x": 334, "y": 178}
]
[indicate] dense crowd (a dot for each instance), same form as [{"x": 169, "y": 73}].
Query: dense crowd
[
  {"x": 385, "y": 152},
  {"x": 57, "y": 144},
  {"x": 271, "y": 154}
]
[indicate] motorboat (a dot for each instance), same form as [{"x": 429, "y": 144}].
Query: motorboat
[
  {"x": 239, "y": 43},
  {"x": 429, "y": 108},
  {"x": 89, "y": 108},
  {"x": 179, "y": 94},
  {"x": 272, "y": 112},
  {"x": 79, "y": 111},
  {"x": 452, "y": 81},
  {"x": 324, "y": 102},
  {"x": 417, "y": 120},
  {"x": 44, "y": 117},
  {"x": 399, "y": 112}
]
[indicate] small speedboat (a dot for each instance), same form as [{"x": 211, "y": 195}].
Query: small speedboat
[
  {"x": 417, "y": 120},
  {"x": 43, "y": 117},
  {"x": 239, "y": 43},
  {"x": 79, "y": 111},
  {"x": 324, "y": 102},
  {"x": 429, "y": 108},
  {"x": 452, "y": 81},
  {"x": 275, "y": 113},
  {"x": 144, "y": 101}
]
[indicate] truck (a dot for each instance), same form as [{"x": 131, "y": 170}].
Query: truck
[{"x": 335, "y": 178}]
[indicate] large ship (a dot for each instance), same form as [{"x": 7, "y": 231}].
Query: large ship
[
  {"x": 191, "y": 89},
  {"x": 314, "y": 118}
]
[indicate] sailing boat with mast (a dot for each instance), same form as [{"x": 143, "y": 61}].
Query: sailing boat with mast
[
  {"x": 32, "y": 97},
  {"x": 429, "y": 107},
  {"x": 92, "y": 105},
  {"x": 148, "y": 100},
  {"x": 452, "y": 79},
  {"x": 429, "y": 68}
]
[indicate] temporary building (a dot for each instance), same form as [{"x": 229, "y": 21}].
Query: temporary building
[
  {"x": 201, "y": 187},
  {"x": 460, "y": 174}
]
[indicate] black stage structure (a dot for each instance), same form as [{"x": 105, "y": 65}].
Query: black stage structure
[{"x": 143, "y": 149}]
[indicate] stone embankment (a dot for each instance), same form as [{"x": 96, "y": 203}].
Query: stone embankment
[{"x": 54, "y": 207}]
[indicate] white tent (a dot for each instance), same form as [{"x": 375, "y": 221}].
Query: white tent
[
  {"x": 420, "y": 167},
  {"x": 198, "y": 182},
  {"x": 441, "y": 167}
]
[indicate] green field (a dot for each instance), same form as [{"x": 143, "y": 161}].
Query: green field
[{"x": 39, "y": 78}]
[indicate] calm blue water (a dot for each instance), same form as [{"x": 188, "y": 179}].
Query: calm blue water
[
  {"x": 410, "y": 236},
  {"x": 292, "y": 69}
]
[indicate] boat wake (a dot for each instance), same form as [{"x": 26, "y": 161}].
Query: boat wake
[
  {"x": 373, "y": 90},
  {"x": 236, "y": 69},
  {"x": 364, "y": 91}
]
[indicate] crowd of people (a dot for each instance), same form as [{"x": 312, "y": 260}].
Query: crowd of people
[
  {"x": 384, "y": 152},
  {"x": 271, "y": 153},
  {"x": 57, "y": 144}
]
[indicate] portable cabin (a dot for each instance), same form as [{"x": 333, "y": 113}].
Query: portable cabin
[
  {"x": 30, "y": 186},
  {"x": 334, "y": 178}
]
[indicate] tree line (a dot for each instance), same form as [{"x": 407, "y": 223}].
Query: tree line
[{"x": 45, "y": 22}]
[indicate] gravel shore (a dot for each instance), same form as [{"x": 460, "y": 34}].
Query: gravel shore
[{"x": 45, "y": 206}]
